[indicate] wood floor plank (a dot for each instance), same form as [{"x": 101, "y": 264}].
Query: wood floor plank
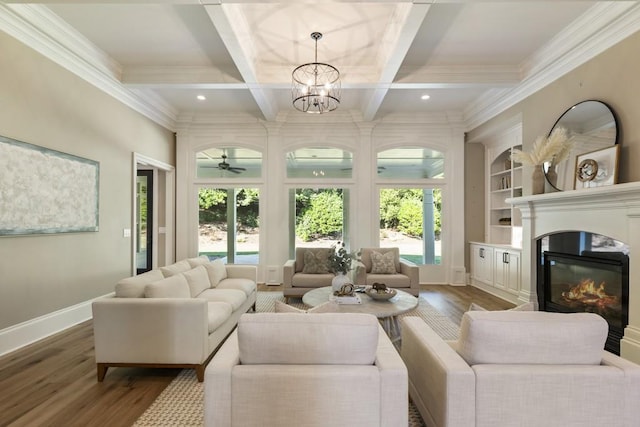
[{"x": 53, "y": 382}]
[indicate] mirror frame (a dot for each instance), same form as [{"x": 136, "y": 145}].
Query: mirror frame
[{"x": 547, "y": 165}]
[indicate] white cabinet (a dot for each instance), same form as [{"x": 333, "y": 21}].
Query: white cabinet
[
  {"x": 496, "y": 269},
  {"x": 507, "y": 270},
  {"x": 482, "y": 263}
]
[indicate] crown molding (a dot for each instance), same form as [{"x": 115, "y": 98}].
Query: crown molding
[
  {"x": 43, "y": 31},
  {"x": 601, "y": 27}
]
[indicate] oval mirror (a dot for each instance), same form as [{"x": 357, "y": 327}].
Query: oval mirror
[{"x": 593, "y": 126}]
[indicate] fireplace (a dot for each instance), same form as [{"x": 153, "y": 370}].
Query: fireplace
[{"x": 585, "y": 272}]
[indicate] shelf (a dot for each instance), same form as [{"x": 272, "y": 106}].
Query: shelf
[
  {"x": 500, "y": 226},
  {"x": 501, "y": 191},
  {"x": 504, "y": 172},
  {"x": 506, "y": 208}
]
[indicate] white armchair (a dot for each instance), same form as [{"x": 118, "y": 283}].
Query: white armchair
[
  {"x": 512, "y": 368},
  {"x": 402, "y": 274},
  {"x": 304, "y": 370}
]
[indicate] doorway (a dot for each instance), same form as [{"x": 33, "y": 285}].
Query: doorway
[{"x": 144, "y": 221}]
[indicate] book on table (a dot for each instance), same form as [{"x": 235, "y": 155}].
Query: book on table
[{"x": 350, "y": 299}]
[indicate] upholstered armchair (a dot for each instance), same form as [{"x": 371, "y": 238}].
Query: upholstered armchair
[
  {"x": 384, "y": 265},
  {"x": 306, "y": 370},
  {"x": 520, "y": 368},
  {"x": 309, "y": 270}
]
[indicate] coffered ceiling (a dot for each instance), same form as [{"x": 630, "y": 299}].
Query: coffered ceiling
[{"x": 473, "y": 58}]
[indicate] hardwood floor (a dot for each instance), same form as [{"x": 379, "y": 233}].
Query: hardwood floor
[{"x": 53, "y": 381}]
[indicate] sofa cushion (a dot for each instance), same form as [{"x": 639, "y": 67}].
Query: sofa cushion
[
  {"x": 391, "y": 280},
  {"x": 316, "y": 262},
  {"x": 198, "y": 280},
  {"x": 327, "y": 307},
  {"x": 383, "y": 263},
  {"x": 201, "y": 260},
  {"x": 300, "y": 252},
  {"x": 302, "y": 280},
  {"x": 365, "y": 257},
  {"x": 170, "y": 287},
  {"x": 245, "y": 285},
  {"x": 527, "y": 306},
  {"x": 133, "y": 287},
  {"x": 217, "y": 314},
  {"x": 531, "y": 337},
  {"x": 301, "y": 339},
  {"x": 231, "y": 296},
  {"x": 216, "y": 271},
  {"x": 176, "y": 268}
]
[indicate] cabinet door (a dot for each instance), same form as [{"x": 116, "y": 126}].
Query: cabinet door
[
  {"x": 501, "y": 263},
  {"x": 512, "y": 273}
]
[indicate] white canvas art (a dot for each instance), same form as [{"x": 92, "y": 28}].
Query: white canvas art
[{"x": 46, "y": 191}]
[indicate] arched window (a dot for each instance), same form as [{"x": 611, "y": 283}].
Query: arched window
[
  {"x": 228, "y": 214},
  {"x": 319, "y": 163},
  {"x": 411, "y": 163}
]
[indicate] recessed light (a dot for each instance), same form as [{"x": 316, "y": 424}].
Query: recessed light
[
  {"x": 201, "y": 97},
  {"x": 425, "y": 97}
]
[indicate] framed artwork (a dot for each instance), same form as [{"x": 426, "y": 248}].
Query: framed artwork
[
  {"x": 44, "y": 191},
  {"x": 597, "y": 168}
]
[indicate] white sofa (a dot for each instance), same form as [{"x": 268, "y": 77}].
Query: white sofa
[
  {"x": 175, "y": 316},
  {"x": 306, "y": 370},
  {"x": 519, "y": 368}
]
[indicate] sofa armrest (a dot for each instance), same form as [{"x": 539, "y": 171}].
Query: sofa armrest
[
  {"x": 236, "y": 271},
  {"x": 150, "y": 330},
  {"x": 442, "y": 383},
  {"x": 412, "y": 271},
  {"x": 217, "y": 384},
  {"x": 631, "y": 392},
  {"x": 394, "y": 383},
  {"x": 288, "y": 271},
  {"x": 361, "y": 274}
]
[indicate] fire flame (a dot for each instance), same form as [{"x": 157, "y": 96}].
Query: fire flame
[{"x": 586, "y": 292}]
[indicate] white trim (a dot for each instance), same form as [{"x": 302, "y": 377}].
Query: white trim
[
  {"x": 597, "y": 30},
  {"x": 25, "y": 333}
]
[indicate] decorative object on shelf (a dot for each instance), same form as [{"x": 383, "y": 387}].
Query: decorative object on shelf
[
  {"x": 380, "y": 292},
  {"x": 554, "y": 148},
  {"x": 504, "y": 221},
  {"x": 597, "y": 169},
  {"x": 593, "y": 126},
  {"x": 316, "y": 86}
]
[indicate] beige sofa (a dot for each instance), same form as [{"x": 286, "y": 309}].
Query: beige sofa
[
  {"x": 519, "y": 368},
  {"x": 299, "y": 277},
  {"x": 175, "y": 316},
  {"x": 304, "y": 370},
  {"x": 404, "y": 275}
]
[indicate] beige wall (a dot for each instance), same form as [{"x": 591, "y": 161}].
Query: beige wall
[
  {"x": 474, "y": 187},
  {"x": 43, "y": 104},
  {"x": 611, "y": 77}
]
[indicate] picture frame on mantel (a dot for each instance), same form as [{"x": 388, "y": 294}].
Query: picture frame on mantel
[
  {"x": 597, "y": 168},
  {"x": 46, "y": 191}
]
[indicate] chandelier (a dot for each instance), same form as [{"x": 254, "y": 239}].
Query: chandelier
[{"x": 316, "y": 86}]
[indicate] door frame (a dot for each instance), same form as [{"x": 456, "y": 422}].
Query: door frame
[{"x": 140, "y": 161}]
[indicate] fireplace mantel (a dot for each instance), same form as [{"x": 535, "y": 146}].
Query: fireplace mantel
[{"x": 612, "y": 211}]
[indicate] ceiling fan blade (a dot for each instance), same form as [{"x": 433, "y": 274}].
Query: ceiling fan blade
[{"x": 234, "y": 170}]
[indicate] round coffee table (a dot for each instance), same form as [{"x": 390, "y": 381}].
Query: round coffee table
[{"x": 386, "y": 311}]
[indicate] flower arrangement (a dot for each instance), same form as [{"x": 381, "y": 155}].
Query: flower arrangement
[
  {"x": 340, "y": 260},
  {"x": 555, "y": 148}
]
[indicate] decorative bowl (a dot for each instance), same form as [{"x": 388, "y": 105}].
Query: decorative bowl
[{"x": 390, "y": 293}]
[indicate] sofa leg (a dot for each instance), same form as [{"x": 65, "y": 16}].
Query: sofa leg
[
  {"x": 200, "y": 372},
  {"x": 102, "y": 371}
]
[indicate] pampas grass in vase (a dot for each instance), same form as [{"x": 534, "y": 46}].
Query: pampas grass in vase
[{"x": 554, "y": 149}]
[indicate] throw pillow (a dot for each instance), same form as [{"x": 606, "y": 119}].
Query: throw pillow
[
  {"x": 217, "y": 271},
  {"x": 476, "y": 307},
  {"x": 175, "y": 286},
  {"x": 327, "y": 307},
  {"x": 316, "y": 262},
  {"x": 176, "y": 268},
  {"x": 383, "y": 264},
  {"x": 198, "y": 280}
]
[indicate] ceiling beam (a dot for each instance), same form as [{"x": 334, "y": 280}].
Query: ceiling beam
[
  {"x": 235, "y": 33},
  {"x": 396, "y": 43}
]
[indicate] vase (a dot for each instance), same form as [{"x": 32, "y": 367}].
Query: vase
[
  {"x": 537, "y": 181},
  {"x": 552, "y": 176},
  {"x": 338, "y": 281}
]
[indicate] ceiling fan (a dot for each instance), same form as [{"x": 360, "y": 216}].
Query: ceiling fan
[{"x": 224, "y": 166}]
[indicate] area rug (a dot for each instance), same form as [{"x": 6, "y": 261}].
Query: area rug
[{"x": 181, "y": 403}]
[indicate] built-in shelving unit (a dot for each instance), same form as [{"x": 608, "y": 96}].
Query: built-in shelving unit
[{"x": 504, "y": 182}]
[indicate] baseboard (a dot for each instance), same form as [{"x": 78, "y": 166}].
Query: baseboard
[{"x": 25, "y": 333}]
